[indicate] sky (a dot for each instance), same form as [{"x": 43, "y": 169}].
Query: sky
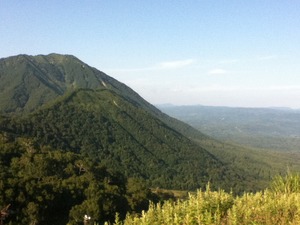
[{"x": 185, "y": 52}]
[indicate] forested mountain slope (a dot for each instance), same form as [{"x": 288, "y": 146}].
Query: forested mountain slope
[
  {"x": 28, "y": 82},
  {"x": 59, "y": 101},
  {"x": 105, "y": 127}
]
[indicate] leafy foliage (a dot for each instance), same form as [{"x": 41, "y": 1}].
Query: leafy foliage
[
  {"x": 287, "y": 184},
  {"x": 48, "y": 186}
]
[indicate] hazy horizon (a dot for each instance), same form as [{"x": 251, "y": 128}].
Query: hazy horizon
[
  {"x": 214, "y": 53},
  {"x": 227, "y": 106}
]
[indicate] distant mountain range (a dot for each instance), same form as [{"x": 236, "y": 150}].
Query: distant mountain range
[{"x": 269, "y": 128}]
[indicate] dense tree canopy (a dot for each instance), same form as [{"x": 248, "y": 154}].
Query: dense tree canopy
[
  {"x": 107, "y": 128},
  {"x": 47, "y": 186}
]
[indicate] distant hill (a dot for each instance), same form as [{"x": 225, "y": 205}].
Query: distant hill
[{"x": 269, "y": 128}]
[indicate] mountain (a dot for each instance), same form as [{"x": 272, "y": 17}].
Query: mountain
[
  {"x": 28, "y": 82},
  {"x": 59, "y": 101}
]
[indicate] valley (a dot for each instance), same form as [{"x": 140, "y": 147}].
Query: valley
[{"x": 260, "y": 141}]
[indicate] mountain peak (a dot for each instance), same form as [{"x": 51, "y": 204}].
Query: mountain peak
[{"x": 30, "y": 81}]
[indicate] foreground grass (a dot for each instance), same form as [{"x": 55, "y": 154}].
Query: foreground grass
[{"x": 278, "y": 205}]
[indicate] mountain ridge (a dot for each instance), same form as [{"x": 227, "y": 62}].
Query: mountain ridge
[{"x": 55, "y": 74}]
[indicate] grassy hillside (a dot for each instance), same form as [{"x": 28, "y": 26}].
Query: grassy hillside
[{"x": 277, "y": 205}]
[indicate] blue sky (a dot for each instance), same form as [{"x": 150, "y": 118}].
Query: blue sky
[{"x": 209, "y": 52}]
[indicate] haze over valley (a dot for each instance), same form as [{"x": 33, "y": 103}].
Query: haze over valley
[{"x": 265, "y": 128}]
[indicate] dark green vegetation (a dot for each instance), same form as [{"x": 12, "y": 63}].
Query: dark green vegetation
[
  {"x": 47, "y": 186},
  {"x": 106, "y": 128},
  {"x": 268, "y": 128}
]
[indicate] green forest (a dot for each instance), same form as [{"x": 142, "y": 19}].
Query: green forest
[
  {"x": 40, "y": 185},
  {"x": 106, "y": 128}
]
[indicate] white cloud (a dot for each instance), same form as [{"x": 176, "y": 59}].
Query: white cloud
[
  {"x": 125, "y": 70},
  {"x": 282, "y": 88},
  {"x": 216, "y": 88},
  {"x": 176, "y": 64},
  {"x": 267, "y": 57},
  {"x": 229, "y": 61},
  {"x": 217, "y": 71}
]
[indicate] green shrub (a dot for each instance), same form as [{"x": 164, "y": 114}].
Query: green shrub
[
  {"x": 290, "y": 183},
  {"x": 278, "y": 205}
]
